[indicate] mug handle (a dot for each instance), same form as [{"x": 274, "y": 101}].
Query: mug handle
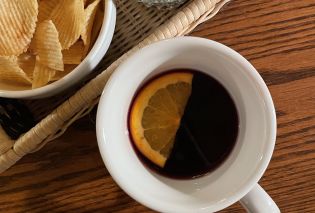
[{"x": 258, "y": 201}]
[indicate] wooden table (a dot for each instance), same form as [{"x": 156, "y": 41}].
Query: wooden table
[{"x": 278, "y": 37}]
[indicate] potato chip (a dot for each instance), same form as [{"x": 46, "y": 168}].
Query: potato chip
[
  {"x": 32, "y": 58},
  {"x": 70, "y": 67},
  {"x": 17, "y": 25},
  {"x": 11, "y": 73},
  {"x": 42, "y": 74},
  {"x": 98, "y": 21},
  {"x": 32, "y": 46},
  {"x": 12, "y": 58},
  {"x": 89, "y": 12},
  {"x": 48, "y": 46},
  {"x": 45, "y": 9},
  {"x": 86, "y": 2},
  {"x": 74, "y": 54},
  {"x": 60, "y": 75},
  {"x": 26, "y": 62},
  {"x": 68, "y": 17}
]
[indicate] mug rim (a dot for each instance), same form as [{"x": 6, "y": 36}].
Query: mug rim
[{"x": 250, "y": 71}]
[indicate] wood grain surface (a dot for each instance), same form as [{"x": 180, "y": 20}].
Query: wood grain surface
[{"x": 278, "y": 38}]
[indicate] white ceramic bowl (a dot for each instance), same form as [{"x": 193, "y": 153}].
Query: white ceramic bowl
[
  {"x": 83, "y": 69},
  {"x": 237, "y": 177}
]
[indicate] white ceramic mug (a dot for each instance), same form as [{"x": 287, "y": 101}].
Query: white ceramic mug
[{"x": 236, "y": 179}]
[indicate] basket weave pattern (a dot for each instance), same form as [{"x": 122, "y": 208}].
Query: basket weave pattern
[{"x": 135, "y": 23}]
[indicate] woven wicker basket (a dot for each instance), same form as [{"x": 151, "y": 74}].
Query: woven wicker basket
[{"x": 136, "y": 27}]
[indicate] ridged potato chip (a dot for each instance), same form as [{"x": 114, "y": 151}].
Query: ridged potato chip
[
  {"x": 26, "y": 62},
  {"x": 74, "y": 54},
  {"x": 98, "y": 22},
  {"x": 85, "y": 2},
  {"x": 42, "y": 74},
  {"x": 48, "y": 46},
  {"x": 89, "y": 13},
  {"x": 40, "y": 39},
  {"x": 20, "y": 17},
  {"x": 68, "y": 17},
  {"x": 32, "y": 47},
  {"x": 11, "y": 73},
  {"x": 68, "y": 69},
  {"x": 45, "y": 9}
]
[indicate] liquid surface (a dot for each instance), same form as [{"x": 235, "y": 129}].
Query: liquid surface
[{"x": 207, "y": 133}]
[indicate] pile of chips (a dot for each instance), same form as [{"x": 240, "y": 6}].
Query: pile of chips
[{"x": 43, "y": 40}]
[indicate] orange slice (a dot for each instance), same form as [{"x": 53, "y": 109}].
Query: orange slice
[{"x": 156, "y": 113}]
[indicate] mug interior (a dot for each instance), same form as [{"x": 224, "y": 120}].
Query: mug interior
[{"x": 232, "y": 179}]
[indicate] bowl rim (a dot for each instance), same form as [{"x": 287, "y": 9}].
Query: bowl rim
[{"x": 95, "y": 55}]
